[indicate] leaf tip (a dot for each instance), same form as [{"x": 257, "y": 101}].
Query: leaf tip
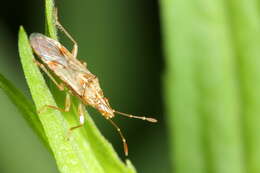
[
  {"x": 130, "y": 165},
  {"x": 21, "y": 31},
  {"x": 21, "y": 28}
]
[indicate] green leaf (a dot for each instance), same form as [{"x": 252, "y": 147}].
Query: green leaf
[
  {"x": 53, "y": 123},
  {"x": 26, "y": 108},
  {"x": 87, "y": 150},
  {"x": 50, "y": 19}
]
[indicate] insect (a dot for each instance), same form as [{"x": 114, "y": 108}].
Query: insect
[{"x": 74, "y": 76}]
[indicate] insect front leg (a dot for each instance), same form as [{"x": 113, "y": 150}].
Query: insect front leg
[
  {"x": 58, "y": 24},
  {"x": 81, "y": 119}
]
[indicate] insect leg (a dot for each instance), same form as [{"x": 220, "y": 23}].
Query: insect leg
[
  {"x": 81, "y": 117},
  {"x": 60, "y": 86},
  {"x": 75, "y": 45},
  {"x": 66, "y": 109},
  {"x": 81, "y": 120}
]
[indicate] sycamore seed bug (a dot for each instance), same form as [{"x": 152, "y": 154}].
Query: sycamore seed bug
[{"x": 75, "y": 76}]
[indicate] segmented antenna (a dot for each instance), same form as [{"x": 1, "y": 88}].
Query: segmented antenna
[
  {"x": 121, "y": 135},
  {"x": 152, "y": 120}
]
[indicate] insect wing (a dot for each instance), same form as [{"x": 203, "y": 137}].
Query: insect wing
[
  {"x": 47, "y": 49},
  {"x": 59, "y": 60}
]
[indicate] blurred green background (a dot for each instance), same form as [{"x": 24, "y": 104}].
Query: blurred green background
[{"x": 193, "y": 65}]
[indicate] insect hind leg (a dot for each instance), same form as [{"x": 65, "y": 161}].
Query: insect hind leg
[
  {"x": 58, "y": 24},
  {"x": 81, "y": 120}
]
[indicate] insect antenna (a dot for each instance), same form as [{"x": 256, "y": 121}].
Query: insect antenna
[
  {"x": 152, "y": 120},
  {"x": 121, "y": 135}
]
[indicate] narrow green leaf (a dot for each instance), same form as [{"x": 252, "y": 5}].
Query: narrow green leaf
[
  {"x": 87, "y": 150},
  {"x": 50, "y": 19},
  {"x": 54, "y": 124},
  {"x": 26, "y": 108},
  {"x": 83, "y": 153},
  {"x": 99, "y": 149}
]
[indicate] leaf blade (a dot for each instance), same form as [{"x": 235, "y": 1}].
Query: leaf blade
[
  {"x": 26, "y": 108},
  {"x": 53, "y": 123},
  {"x": 101, "y": 149}
]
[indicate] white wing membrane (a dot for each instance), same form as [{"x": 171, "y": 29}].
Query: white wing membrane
[
  {"x": 52, "y": 52},
  {"x": 48, "y": 49}
]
